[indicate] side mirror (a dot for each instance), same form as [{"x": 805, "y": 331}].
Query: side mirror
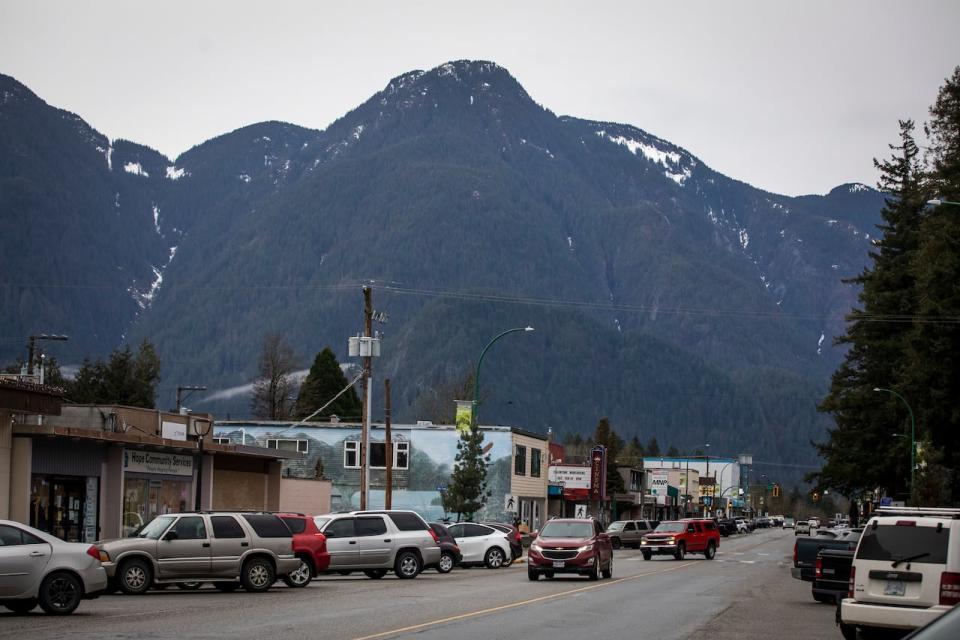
[{"x": 170, "y": 535}]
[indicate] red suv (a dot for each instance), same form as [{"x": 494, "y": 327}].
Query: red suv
[
  {"x": 570, "y": 545},
  {"x": 681, "y": 537},
  {"x": 309, "y": 545}
]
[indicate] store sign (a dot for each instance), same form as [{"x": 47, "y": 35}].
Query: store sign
[
  {"x": 570, "y": 476},
  {"x": 598, "y": 473},
  {"x": 658, "y": 481},
  {"x": 152, "y": 462},
  {"x": 173, "y": 431}
]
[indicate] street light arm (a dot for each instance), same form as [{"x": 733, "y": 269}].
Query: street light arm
[
  {"x": 476, "y": 377},
  {"x": 913, "y": 432}
]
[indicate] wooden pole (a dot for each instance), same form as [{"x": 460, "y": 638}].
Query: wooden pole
[{"x": 388, "y": 495}]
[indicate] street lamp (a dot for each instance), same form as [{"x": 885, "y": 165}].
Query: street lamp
[
  {"x": 32, "y": 347},
  {"x": 913, "y": 427},
  {"x": 936, "y": 202},
  {"x": 476, "y": 377}
]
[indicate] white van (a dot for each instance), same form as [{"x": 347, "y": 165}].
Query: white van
[{"x": 906, "y": 570}]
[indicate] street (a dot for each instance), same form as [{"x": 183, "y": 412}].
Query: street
[{"x": 746, "y": 592}]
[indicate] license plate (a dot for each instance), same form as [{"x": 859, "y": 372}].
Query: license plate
[
  {"x": 654, "y": 548},
  {"x": 558, "y": 564},
  {"x": 895, "y": 588}
]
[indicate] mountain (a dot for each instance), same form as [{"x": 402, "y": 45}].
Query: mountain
[{"x": 678, "y": 301}]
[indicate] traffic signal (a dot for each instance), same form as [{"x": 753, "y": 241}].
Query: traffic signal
[{"x": 776, "y": 491}]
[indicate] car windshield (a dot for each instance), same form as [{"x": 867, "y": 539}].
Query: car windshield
[
  {"x": 670, "y": 527},
  {"x": 567, "y": 530},
  {"x": 615, "y": 526},
  {"x": 155, "y": 528}
]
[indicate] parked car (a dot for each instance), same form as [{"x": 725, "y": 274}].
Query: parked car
[
  {"x": 450, "y": 555},
  {"x": 38, "y": 569},
  {"x": 742, "y": 526},
  {"x": 309, "y": 545},
  {"x": 481, "y": 544},
  {"x": 803, "y": 526},
  {"x": 227, "y": 548},
  {"x": 764, "y": 523},
  {"x": 906, "y": 571},
  {"x": 570, "y": 545},
  {"x": 376, "y": 542},
  {"x": 513, "y": 536},
  {"x": 727, "y": 526},
  {"x": 805, "y": 551},
  {"x": 627, "y": 533},
  {"x": 832, "y": 577},
  {"x": 681, "y": 537}
]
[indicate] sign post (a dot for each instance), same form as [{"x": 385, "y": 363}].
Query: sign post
[{"x": 598, "y": 477}]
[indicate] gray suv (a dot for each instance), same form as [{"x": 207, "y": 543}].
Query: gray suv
[
  {"x": 627, "y": 533},
  {"x": 379, "y": 541},
  {"x": 228, "y": 549}
]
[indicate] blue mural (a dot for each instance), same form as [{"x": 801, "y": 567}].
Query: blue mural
[{"x": 424, "y": 459}]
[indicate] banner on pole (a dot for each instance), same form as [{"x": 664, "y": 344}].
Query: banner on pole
[{"x": 464, "y": 415}]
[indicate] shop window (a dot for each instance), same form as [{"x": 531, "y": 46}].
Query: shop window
[
  {"x": 520, "y": 461},
  {"x": 299, "y": 445},
  {"x": 401, "y": 455},
  {"x": 378, "y": 455},
  {"x": 351, "y": 455},
  {"x": 535, "y": 463}
]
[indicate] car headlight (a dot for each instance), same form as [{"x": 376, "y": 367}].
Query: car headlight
[
  {"x": 536, "y": 547},
  {"x": 586, "y": 547}
]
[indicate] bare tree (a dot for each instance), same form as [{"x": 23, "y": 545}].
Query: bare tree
[
  {"x": 437, "y": 403},
  {"x": 274, "y": 390}
]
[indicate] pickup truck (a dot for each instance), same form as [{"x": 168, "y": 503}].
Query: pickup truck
[
  {"x": 805, "y": 550},
  {"x": 832, "y": 578}
]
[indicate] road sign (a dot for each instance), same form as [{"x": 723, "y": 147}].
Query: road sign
[
  {"x": 886, "y": 502},
  {"x": 441, "y": 488},
  {"x": 580, "y": 511},
  {"x": 510, "y": 503}
]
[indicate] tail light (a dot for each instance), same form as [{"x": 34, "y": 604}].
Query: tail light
[
  {"x": 853, "y": 576},
  {"x": 94, "y": 553},
  {"x": 795, "y": 555},
  {"x": 433, "y": 533},
  {"x": 819, "y": 567},
  {"x": 949, "y": 588}
]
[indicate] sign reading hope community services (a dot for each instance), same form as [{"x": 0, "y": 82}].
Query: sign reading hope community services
[{"x": 151, "y": 462}]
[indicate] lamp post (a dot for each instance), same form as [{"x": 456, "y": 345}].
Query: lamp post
[
  {"x": 476, "y": 377},
  {"x": 913, "y": 429}
]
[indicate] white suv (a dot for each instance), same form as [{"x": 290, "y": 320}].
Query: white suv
[{"x": 906, "y": 570}]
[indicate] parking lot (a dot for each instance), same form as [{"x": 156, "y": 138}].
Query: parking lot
[{"x": 746, "y": 592}]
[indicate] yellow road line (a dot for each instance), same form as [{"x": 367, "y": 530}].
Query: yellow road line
[{"x": 514, "y": 605}]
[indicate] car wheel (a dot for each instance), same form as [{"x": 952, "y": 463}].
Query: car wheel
[
  {"x": 646, "y": 555},
  {"x": 711, "y": 551},
  {"x": 407, "y": 565},
  {"x": 532, "y": 574},
  {"x": 608, "y": 572},
  {"x": 136, "y": 576},
  {"x": 60, "y": 593},
  {"x": 257, "y": 575},
  {"x": 616, "y": 543},
  {"x": 189, "y": 586},
  {"x": 375, "y": 574},
  {"x": 446, "y": 563},
  {"x": 226, "y": 587},
  {"x": 680, "y": 552},
  {"x": 494, "y": 558},
  {"x": 300, "y": 577},
  {"x": 595, "y": 569},
  {"x": 21, "y": 606}
]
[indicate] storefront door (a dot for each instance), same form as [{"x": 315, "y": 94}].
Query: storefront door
[{"x": 64, "y": 506}]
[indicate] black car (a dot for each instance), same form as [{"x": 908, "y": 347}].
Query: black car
[
  {"x": 450, "y": 555},
  {"x": 513, "y": 537},
  {"x": 726, "y": 526}
]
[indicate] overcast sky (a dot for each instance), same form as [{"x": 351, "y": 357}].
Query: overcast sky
[{"x": 794, "y": 97}]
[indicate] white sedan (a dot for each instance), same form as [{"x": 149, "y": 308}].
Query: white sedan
[
  {"x": 481, "y": 544},
  {"x": 36, "y": 568}
]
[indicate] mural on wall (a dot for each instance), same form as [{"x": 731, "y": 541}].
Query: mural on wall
[{"x": 424, "y": 459}]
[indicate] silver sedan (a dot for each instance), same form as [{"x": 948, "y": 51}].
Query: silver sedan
[{"x": 36, "y": 568}]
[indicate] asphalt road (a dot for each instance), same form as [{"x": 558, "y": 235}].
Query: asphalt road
[{"x": 746, "y": 592}]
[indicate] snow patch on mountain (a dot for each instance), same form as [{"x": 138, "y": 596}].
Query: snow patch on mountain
[
  {"x": 669, "y": 160},
  {"x": 857, "y": 188},
  {"x": 136, "y": 169},
  {"x": 156, "y": 219},
  {"x": 174, "y": 173}
]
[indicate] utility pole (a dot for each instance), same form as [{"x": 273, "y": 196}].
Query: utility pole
[
  {"x": 180, "y": 395},
  {"x": 388, "y": 495},
  {"x": 32, "y": 347},
  {"x": 367, "y": 396}
]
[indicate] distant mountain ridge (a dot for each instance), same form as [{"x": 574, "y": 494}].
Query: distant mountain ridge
[{"x": 471, "y": 207}]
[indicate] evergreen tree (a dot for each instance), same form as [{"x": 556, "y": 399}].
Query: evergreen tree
[
  {"x": 468, "y": 491},
  {"x": 124, "y": 379},
  {"x": 653, "y": 447},
  {"x": 877, "y": 334},
  {"x": 932, "y": 379},
  {"x": 605, "y": 436},
  {"x": 673, "y": 452},
  {"x": 325, "y": 381}
]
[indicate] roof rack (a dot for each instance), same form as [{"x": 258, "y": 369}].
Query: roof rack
[{"x": 935, "y": 512}]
